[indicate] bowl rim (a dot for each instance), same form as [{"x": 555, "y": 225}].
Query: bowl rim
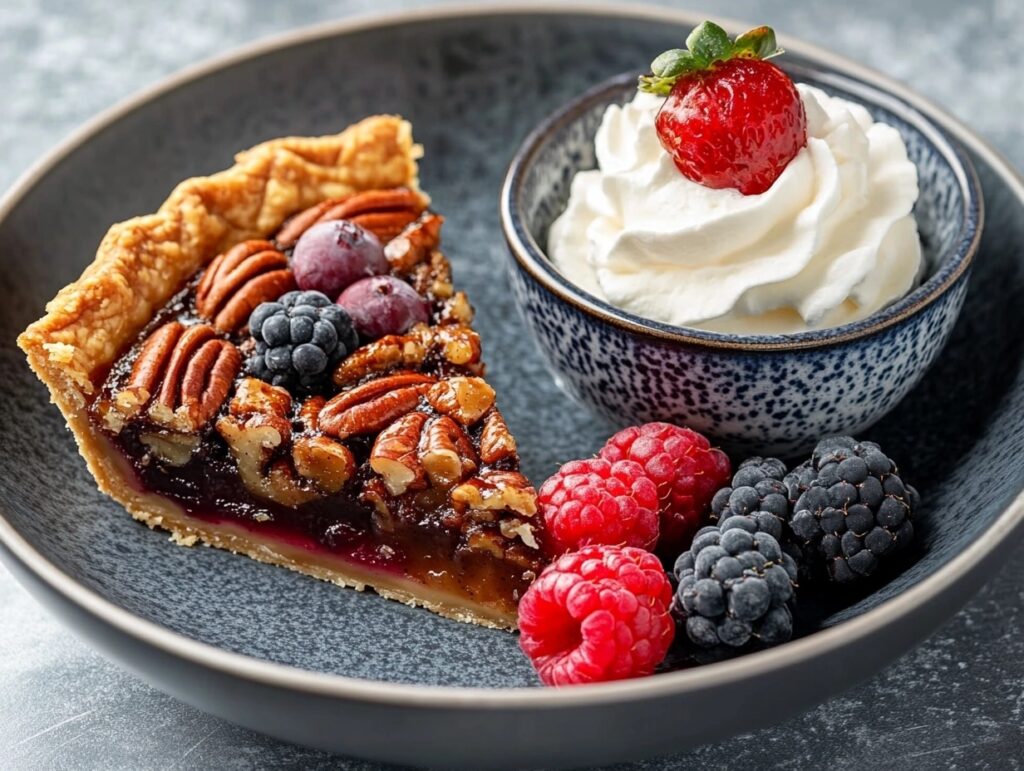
[
  {"x": 533, "y": 259},
  {"x": 276, "y": 675}
]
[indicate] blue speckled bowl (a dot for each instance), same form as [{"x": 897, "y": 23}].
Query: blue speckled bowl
[{"x": 774, "y": 394}]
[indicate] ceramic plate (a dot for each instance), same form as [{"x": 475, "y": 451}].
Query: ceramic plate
[{"x": 351, "y": 672}]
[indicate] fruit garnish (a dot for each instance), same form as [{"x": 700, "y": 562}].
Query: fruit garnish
[
  {"x": 594, "y": 501},
  {"x": 731, "y": 118},
  {"x": 851, "y": 509},
  {"x": 597, "y": 614},
  {"x": 383, "y": 305},
  {"x": 735, "y": 588},
  {"x": 300, "y": 338},
  {"x": 683, "y": 465},
  {"x": 334, "y": 255},
  {"x": 758, "y": 500}
]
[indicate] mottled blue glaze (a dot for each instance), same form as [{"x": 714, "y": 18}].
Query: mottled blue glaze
[{"x": 772, "y": 394}]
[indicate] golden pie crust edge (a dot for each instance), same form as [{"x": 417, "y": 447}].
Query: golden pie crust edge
[{"x": 143, "y": 262}]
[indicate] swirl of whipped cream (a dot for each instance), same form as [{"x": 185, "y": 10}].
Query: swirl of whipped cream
[{"x": 831, "y": 242}]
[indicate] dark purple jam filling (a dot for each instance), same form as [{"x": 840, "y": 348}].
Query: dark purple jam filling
[{"x": 208, "y": 487}]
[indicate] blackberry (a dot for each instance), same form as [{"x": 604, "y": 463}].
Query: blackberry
[
  {"x": 852, "y": 510},
  {"x": 300, "y": 338},
  {"x": 757, "y": 491},
  {"x": 735, "y": 587},
  {"x": 798, "y": 480},
  {"x": 758, "y": 501}
]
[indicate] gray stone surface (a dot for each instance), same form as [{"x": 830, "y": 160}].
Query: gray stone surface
[{"x": 955, "y": 701}]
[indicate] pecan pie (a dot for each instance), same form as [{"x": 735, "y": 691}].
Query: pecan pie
[{"x": 352, "y": 438}]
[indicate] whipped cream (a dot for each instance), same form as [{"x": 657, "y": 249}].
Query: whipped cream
[{"x": 832, "y": 241}]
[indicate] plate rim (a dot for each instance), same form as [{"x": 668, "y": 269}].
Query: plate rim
[{"x": 292, "y": 678}]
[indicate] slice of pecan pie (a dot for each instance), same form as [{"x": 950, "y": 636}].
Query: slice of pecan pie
[{"x": 217, "y": 396}]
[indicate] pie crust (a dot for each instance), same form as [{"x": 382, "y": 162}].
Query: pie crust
[{"x": 144, "y": 262}]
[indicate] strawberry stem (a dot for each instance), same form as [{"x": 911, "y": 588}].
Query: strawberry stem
[{"x": 706, "y": 44}]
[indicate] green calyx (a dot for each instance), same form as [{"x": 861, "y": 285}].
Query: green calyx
[{"x": 707, "y": 44}]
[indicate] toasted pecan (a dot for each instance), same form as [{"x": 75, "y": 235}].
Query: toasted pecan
[
  {"x": 385, "y": 213},
  {"x": 183, "y": 373},
  {"x": 240, "y": 279}
]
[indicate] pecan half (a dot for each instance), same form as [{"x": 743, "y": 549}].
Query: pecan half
[
  {"x": 496, "y": 441},
  {"x": 414, "y": 245},
  {"x": 385, "y": 213},
  {"x": 183, "y": 374},
  {"x": 395, "y": 454},
  {"x": 387, "y": 353},
  {"x": 447, "y": 453},
  {"x": 144, "y": 379},
  {"x": 373, "y": 406},
  {"x": 466, "y": 399},
  {"x": 240, "y": 279}
]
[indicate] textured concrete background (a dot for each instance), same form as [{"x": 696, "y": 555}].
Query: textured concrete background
[{"x": 957, "y": 701}]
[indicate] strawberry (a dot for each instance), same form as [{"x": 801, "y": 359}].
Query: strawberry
[{"x": 731, "y": 118}]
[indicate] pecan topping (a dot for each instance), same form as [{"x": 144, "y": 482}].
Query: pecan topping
[
  {"x": 309, "y": 413},
  {"x": 454, "y": 343},
  {"x": 496, "y": 441},
  {"x": 255, "y": 426},
  {"x": 394, "y": 454},
  {"x": 415, "y": 244},
  {"x": 184, "y": 374},
  {"x": 173, "y": 449},
  {"x": 514, "y": 527},
  {"x": 373, "y": 405},
  {"x": 152, "y": 359},
  {"x": 385, "y": 213},
  {"x": 145, "y": 376},
  {"x": 434, "y": 278},
  {"x": 389, "y": 352},
  {"x": 457, "y": 310},
  {"x": 466, "y": 399},
  {"x": 447, "y": 453},
  {"x": 257, "y": 397},
  {"x": 496, "y": 491},
  {"x": 325, "y": 462},
  {"x": 240, "y": 279},
  {"x": 486, "y": 541},
  {"x": 458, "y": 344}
]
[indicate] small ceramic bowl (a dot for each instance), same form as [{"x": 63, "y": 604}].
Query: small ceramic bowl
[{"x": 772, "y": 394}]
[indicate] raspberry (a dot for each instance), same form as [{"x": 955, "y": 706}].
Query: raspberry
[
  {"x": 594, "y": 501},
  {"x": 598, "y": 614},
  {"x": 686, "y": 470}
]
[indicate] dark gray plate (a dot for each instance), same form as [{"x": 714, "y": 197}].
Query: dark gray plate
[{"x": 308, "y": 662}]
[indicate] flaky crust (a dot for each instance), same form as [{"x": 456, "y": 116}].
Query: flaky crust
[{"x": 143, "y": 262}]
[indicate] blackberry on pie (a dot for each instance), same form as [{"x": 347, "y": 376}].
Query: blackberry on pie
[{"x": 220, "y": 394}]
